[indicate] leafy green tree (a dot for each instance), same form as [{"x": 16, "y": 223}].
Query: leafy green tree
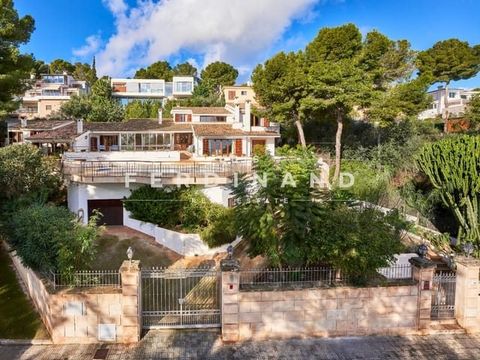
[
  {"x": 336, "y": 82},
  {"x": 279, "y": 217},
  {"x": 50, "y": 238},
  {"x": 25, "y": 170},
  {"x": 138, "y": 109},
  {"x": 99, "y": 106},
  {"x": 14, "y": 67},
  {"x": 85, "y": 72},
  {"x": 157, "y": 70},
  {"x": 59, "y": 66},
  {"x": 185, "y": 69},
  {"x": 280, "y": 86},
  {"x": 453, "y": 167},
  {"x": 356, "y": 241},
  {"x": 449, "y": 60},
  {"x": 218, "y": 74},
  {"x": 473, "y": 111},
  {"x": 39, "y": 68}
]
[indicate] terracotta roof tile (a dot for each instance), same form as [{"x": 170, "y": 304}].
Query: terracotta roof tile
[
  {"x": 227, "y": 130},
  {"x": 41, "y": 124}
]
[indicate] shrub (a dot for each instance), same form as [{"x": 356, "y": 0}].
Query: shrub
[
  {"x": 24, "y": 171},
  {"x": 50, "y": 238},
  {"x": 183, "y": 209}
]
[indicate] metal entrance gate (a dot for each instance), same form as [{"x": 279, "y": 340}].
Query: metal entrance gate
[
  {"x": 443, "y": 295},
  {"x": 180, "y": 298}
]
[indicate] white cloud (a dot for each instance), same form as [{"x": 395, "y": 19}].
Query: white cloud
[
  {"x": 92, "y": 44},
  {"x": 236, "y": 31}
]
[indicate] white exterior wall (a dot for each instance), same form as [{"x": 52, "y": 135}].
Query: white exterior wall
[
  {"x": 124, "y": 155},
  {"x": 79, "y": 194}
]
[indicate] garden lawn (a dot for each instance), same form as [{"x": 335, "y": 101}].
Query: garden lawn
[
  {"x": 112, "y": 247},
  {"x": 18, "y": 318}
]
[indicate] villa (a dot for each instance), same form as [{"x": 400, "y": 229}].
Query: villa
[
  {"x": 198, "y": 145},
  {"x": 457, "y": 102},
  {"x": 49, "y": 93}
]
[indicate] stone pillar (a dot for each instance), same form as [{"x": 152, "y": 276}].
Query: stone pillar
[
  {"x": 230, "y": 292},
  {"x": 131, "y": 320},
  {"x": 423, "y": 270},
  {"x": 467, "y": 294}
]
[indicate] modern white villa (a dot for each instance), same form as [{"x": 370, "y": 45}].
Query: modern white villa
[
  {"x": 102, "y": 162},
  {"x": 152, "y": 89},
  {"x": 457, "y": 102}
]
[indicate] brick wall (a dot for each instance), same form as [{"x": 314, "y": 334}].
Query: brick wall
[{"x": 328, "y": 312}]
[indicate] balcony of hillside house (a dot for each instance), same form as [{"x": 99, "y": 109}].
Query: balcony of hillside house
[{"x": 155, "y": 173}]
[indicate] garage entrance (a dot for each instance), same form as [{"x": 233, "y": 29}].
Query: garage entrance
[{"x": 111, "y": 209}]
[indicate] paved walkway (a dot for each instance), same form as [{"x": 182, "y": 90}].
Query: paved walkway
[{"x": 206, "y": 345}]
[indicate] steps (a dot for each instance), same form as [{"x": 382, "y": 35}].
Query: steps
[{"x": 445, "y": 326}]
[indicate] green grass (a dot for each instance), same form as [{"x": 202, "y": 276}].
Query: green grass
[
  {"x": 111, "y": 252},
  {"x": 18, "y": 318}
]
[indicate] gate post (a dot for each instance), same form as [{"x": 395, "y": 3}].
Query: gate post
[
  {"x": 423, "y": 270},
  {"x": 467, "y": 294},
  {"x": 131, "y": 320},
  {"x": 229, "y": 297}
]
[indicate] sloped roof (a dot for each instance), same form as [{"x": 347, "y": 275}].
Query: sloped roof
[
  {"x": 40, "y": 124},
  {"x": 227, "y": 130}
]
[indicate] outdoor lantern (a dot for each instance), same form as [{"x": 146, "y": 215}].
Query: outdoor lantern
[
  {"x": 468, "y": 249},
  {"x": 130, "y": 254},
  {"x": 422, "y": 250}
]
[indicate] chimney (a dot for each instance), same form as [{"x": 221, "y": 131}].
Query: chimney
[
  {"x": 160, "y": 116},
  {"x": 80, "y": 126},
  {"x": 23, "y": 122},
  {"x": 247, "y": 116}
]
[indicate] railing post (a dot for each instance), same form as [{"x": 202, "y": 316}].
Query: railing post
[
  {"x": 230, "y": 299},
  {"x": 467, "y": 294}
]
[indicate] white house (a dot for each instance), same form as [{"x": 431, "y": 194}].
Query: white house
[
  {"x": 203, "y": 146},
  {"x": 152, "y": 89},
  {"x": 457, "y": 102}
]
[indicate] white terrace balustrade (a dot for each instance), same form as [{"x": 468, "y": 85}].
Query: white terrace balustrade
[{"x": 177, "y": 172}]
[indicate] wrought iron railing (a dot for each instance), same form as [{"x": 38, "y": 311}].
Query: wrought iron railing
[
  {"x": 317, "y": 277},
  {"x": 85, "y": 279}
]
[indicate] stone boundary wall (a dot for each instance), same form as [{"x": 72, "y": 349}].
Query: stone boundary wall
[
  {"x": 328, "y": 312},
  {"x": 88, "y": 315}
]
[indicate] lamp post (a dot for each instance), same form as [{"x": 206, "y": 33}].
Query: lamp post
[{"x": 130, "y": 254}]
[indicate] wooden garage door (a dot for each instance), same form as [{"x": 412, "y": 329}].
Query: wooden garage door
[{"x": 112, "y": 211}]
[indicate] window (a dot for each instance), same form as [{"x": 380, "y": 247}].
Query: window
[
  {"x": 48, "y": 107},
  {"x": 128, "y": 142},
  {"x": 231, "y": 202},
  {"x": 243, "y": 92},
  {"x": 163, "y": 141},
  {"x": 213, "y": 118},
  {"x": 183, "y": 86},
  {"x": 51, "y": 93},
  {"x": 220, "y": 147},
  {"x": 231, "y": 95},
  {"x": 464, "y": 97},
  {"x": 451, "y": 95},
  {"x": 54, "y": 79},
  {"x": 183, "y": 118}
]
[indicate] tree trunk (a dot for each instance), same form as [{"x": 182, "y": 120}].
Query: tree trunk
[
  {"x": 301, "y": 134},
  {"x": 338, "y": 146},
  {"x": 445, "y": 104}
]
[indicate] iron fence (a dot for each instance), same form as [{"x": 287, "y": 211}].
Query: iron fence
[
  {"x": 86, "y": 279},
  {"x": 317, "y": 277}
]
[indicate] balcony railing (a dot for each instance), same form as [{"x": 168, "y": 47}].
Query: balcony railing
[{"x": 120, "y": 169}]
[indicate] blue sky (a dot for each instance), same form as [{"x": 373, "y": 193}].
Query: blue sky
[{"x": 125, "y": 35}]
